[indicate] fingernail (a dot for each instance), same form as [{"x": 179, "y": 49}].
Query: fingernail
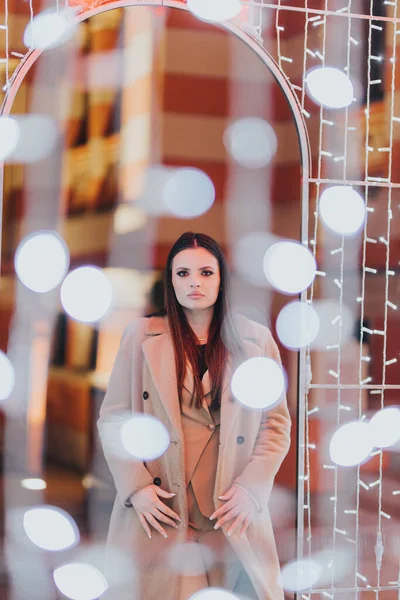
[
  {"x": 165, "y": 535},
  {"x": 220, "y": 497},
  {"x": 212, "y": 517},
  {"x": 229, "y": 533},
  {"x": 172, "y": 494},
  {"x": 217, "y": 526},
  {"x": 149, "y": 536}
]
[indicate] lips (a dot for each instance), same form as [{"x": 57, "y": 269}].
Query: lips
[{"x": 196, "y": 295}]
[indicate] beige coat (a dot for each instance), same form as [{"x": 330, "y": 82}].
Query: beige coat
[{"x": 253, "y": 444}]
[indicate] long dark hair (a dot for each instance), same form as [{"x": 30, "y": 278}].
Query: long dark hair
[{"x": 223, "y": 336}]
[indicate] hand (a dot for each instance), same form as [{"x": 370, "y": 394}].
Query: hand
[
  {"x": 149, "y": 508},
  {"x": 239, "y": 507}
]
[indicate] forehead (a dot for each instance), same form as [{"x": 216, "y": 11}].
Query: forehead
[{"x": 194, "y": 258}]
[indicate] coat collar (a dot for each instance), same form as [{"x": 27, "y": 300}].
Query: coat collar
[{"x": 159, "y": 354}]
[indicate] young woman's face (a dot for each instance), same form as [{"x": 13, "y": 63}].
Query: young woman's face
[{"x": 196, "y": 270}]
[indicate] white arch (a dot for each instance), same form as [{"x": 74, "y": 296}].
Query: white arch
[{"x": 305, "y": 153}]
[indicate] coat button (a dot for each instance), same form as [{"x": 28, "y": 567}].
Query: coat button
[
  {"x": 157, "y": 481},
  {"x": 145, "y": 395},
  {"x": 211, "y": 426},
  {"x": 240, "y": 439}
]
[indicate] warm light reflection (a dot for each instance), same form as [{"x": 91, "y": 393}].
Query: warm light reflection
[{"x": 33, "y": 484}]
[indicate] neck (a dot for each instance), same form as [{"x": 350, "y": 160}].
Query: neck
[{"x": 200, "y": 321}]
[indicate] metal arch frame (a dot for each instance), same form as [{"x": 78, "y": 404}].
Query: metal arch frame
[{"x": 305, "y": 152}]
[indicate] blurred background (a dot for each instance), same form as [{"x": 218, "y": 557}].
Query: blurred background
[
  {"x": 138, "y": 124},
  {"x": 136, "y": 97}
]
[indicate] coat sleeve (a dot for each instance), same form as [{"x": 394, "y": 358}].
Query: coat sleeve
[
  {"x": 121, "y": 399},
  {"x": 272, "y": 443}
]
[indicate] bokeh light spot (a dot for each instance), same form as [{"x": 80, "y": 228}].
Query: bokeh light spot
[
  {"x": 7, "y": 376},
  {"x": 342, "y": 209},
  {"x": 9, "y": 136},
  {"x": 86, "y": 294},
  {"x": 214, "y": 594},
  {"x": 41, "y": 261},
  {"x": 385, "y": 427},
  {"x": 258, "y": 382},
  {"x": 351, "y": 444},
  {"x": 289, "y": 267},
  {"x": 33, "y": 484},
  {"x": 49, "y": 29},
  {"x": 189, "y": 193},
  {"x": 145, "y": 437},
  {"x": 329, "y": 87},
  {"x": 297, "y": 325},
  {"x": 50, "y": 528},
  {"x": 210, "y": 10},
  {"x": 251, "y": 141},
  {"x": 80, "y": 581},
  {"x": 299, "y": 575}
]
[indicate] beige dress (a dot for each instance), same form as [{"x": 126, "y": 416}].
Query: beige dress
[{"x": 212, "y": 562}]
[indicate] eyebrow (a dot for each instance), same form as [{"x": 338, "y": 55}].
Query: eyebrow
[{"x": 200, "y": 268}]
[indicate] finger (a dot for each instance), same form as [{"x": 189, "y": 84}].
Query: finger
[
  {"x": 230, "y": 515},
  {"x": 168, "y": 511},
  {"x": 160, "y": 492},
  {"x": 245, "y": 525},
  {"x": 144, "y": 525},
  {"x": 161, "y": 517},
  {"x": 236, "y": 523},
  {"x": 155, "y": 524},
  {"x": 228, "y": 494},
  {"x": 222, "y": 509}
]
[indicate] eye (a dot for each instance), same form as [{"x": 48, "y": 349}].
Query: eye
[
  {"x": 180, "y": 272},
  {"x": 210, "y": 272}
]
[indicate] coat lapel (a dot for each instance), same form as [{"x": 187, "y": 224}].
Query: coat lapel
[{"x": 159, "y": 354}]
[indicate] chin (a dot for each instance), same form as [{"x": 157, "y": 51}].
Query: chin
[{"x": 200, "y": 303}]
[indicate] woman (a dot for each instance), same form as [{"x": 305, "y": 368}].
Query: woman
[{"x": 197, "y": 516}]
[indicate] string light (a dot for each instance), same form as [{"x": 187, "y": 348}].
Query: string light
[{"x": 325, "y": 153}]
